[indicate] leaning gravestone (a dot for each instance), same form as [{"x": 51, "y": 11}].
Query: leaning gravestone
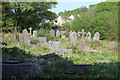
[
  {"x": 73, "y": 38},
  {"x": 88, "y": 36},
  {"x": 42, "y": 39},
  {"x": 58, "y": 33},
  {"x": 24, "y": 37},
  {"x": 96, "y": 36},
  {"x": 34, "y": 33},
  {"x": 52, "y": 32}
]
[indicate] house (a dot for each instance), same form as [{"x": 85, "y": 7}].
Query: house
[{"x": 62, "y": 19}]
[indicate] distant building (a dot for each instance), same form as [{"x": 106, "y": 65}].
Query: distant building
[{"x": 62, "y": 19}]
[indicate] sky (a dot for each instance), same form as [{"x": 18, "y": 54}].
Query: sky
[{"x": 73, "y": 4}]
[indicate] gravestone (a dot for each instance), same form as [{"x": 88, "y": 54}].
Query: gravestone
[
  {"x": 52, "y": 32},
  {"x": 58, "y": 33},
  {"x": 24, "y": 37},
  {"x": 73, "y": 38},
  {"x": 63, "y": 36},
  {"x": 103, "y": 61},
  {"x": 50, "y": 44},
  {"x": 54, "y": 45},
  {"x": 70, "y": 32},
  {"x": 65, "y": 51},
  {"x": 42, "y": 39},
  {"x": 112, "y": 44},
  {"x": 34, "y": 33},
  {"x": 88, "y": 36},
  {"x": 82, "y": 45},
  {"x": 79, "y": 34},
  {"x": 96, "y": 36},
  {"x": 83, "y": 33}
]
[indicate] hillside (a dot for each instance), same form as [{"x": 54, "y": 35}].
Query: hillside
[{"x": 100, "y": 17}]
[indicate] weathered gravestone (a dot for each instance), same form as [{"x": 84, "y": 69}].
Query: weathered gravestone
[
  {"x": 24, "y": 37},
  {"x": 65, "y": 51},
  {"x": 63, "y": 36},
  {"x": 58, "y": 33},
  {"x": 34, "y": 33},
  {"x": 73, "y": 38},
  {"x": 83, "y": 45},
  {"x": 52, "y": 32},
  {"x": 70, "y": 32},
  {"x": 112, "y": 44},
  {"x": 79, "y": 34},
  {"x": 88, "y": 36},
  {"x": 96, "y": 36},
  {"x": 54, "y": 46},
  {"x": 42, "y": 39}
]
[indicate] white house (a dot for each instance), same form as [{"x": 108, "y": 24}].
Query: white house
[{"x": 62, "y": 19}]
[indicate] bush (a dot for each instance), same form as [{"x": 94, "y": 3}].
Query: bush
[
  {"x": 45, "y": 33},
  {"x": 34, "y": 41}
]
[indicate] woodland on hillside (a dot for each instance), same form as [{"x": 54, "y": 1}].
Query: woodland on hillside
[{"x": 102, "y": 18}]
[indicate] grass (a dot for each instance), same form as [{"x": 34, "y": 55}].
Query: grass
[{"x": 99, "y": 70}]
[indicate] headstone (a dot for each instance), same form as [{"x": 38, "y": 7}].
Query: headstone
[
  {"x": 34, "y": 33},
  {"x": 83, "y": 45},
  {"x": 58, "y": 33},
  {"x": 50, "y": 44},
  {"x": 103, "y": 61},
  {"x": 112, "y": 44},
  {"x": 73, "y": 38},
  {"x": 96, "y": 36},
  {"x": 88, "y": 36},
  {"x": 52, "y": 32},
  {"x": 24, "y": 37},
  {"x": 54, "y": 46},
  {"x": 83, "y": 33},
  {"x": 65, "y": 50},
  {"x": 70, "y": 32},
  {"x": 63, "y": 36},
  {"x": 42, "y": 39}
]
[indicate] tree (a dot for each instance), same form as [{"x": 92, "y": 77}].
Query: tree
[{"x": 28, "y": 14}]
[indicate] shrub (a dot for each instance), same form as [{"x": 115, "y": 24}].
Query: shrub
[{"x": 34, "y": 41}]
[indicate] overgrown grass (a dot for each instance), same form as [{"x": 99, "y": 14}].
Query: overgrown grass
[{"x": 98, "y": 70}]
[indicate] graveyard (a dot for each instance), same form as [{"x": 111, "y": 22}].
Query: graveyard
[
  {"x": 76, "y": 48},
  {"x": 81, "y": 44}
]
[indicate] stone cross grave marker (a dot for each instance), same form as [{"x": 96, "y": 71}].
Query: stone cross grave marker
[
  {"x": 83, "y": 33},
  {"x": 42, "y": 39},
  {"x": 88, "y": 36},
  {"x": 30, "y": 30},
  {"x": 96, "y": 36},
  {"x": 52, "y": 32}
]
